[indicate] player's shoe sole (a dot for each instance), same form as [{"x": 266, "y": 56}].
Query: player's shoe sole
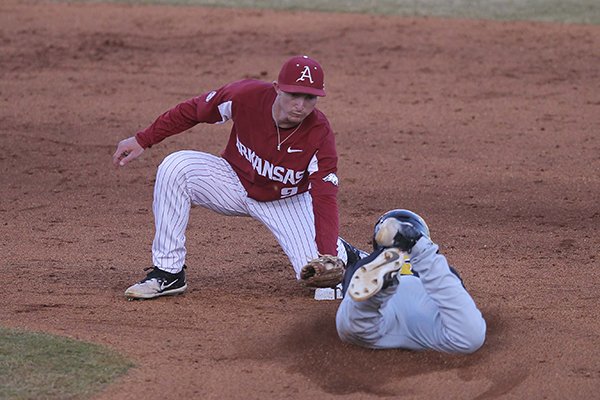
[
  {"x": 145, "y": 291},
  {"x": 368, "y": 279}
]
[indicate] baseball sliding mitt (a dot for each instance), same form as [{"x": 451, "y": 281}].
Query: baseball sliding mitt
[{"x": 323, "y": 272}]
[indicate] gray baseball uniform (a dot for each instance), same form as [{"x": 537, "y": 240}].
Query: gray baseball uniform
[{"x": 430, "y": 311}]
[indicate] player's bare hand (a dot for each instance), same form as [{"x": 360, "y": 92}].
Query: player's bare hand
[{"x": 127, "y": 150}]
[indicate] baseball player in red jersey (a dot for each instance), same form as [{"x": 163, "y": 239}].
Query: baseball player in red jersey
[{"x": 279, "y": 167}]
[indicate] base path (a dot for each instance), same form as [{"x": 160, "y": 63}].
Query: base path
[{"x": 490, "y": 130}]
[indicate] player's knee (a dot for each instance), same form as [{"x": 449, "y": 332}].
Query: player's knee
[
  {"x": 471, "y": 339},
  {"x": 173, "y": 158},
  {"x": 477, "y": 337},
  {"x": 171, "y": 166},
  {"x": 472, "y": 344}
]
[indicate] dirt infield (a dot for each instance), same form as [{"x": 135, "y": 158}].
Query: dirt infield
[{"x": 491, "y": 130}]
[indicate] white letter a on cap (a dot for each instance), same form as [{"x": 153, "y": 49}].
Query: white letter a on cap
[{"x": 305, "y": 74}]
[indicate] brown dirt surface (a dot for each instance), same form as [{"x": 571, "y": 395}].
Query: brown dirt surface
[{"x": 488, "y": 129}]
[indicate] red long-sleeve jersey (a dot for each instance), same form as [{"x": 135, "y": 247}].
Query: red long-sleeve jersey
[{"x": 307, "y": 160}]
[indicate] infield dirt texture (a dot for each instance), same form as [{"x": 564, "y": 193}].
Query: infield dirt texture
[{"x": 490, "y": 130}]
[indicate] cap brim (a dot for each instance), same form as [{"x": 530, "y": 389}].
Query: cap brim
[{"x": 302, "y": 89}]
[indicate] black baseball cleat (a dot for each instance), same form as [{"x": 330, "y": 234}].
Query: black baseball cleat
[
  {"x": 373, "y": 273},
  {"x": 354, "y": 254},
  {"x": 158, "y": 283}
]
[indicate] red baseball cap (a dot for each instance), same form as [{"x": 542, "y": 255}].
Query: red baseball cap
[{"x": 302, "y": 74}]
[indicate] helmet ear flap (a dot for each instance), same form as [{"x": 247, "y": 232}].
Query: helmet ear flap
[
  {"x": 388, "y": 225},
  {"x": 386, "y": 232},
  {"x": 376, "y": 245}
]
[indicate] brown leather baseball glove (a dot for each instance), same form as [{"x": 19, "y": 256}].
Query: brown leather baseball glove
[{"x": 323, "y": 272}]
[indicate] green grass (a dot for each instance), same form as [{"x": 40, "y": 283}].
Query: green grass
[
  {"x": 568, "y": 11},
  {"x": 40, "y": 366}
]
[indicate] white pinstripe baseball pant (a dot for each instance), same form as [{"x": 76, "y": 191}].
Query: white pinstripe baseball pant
[{"x": 192, "y": 177}]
